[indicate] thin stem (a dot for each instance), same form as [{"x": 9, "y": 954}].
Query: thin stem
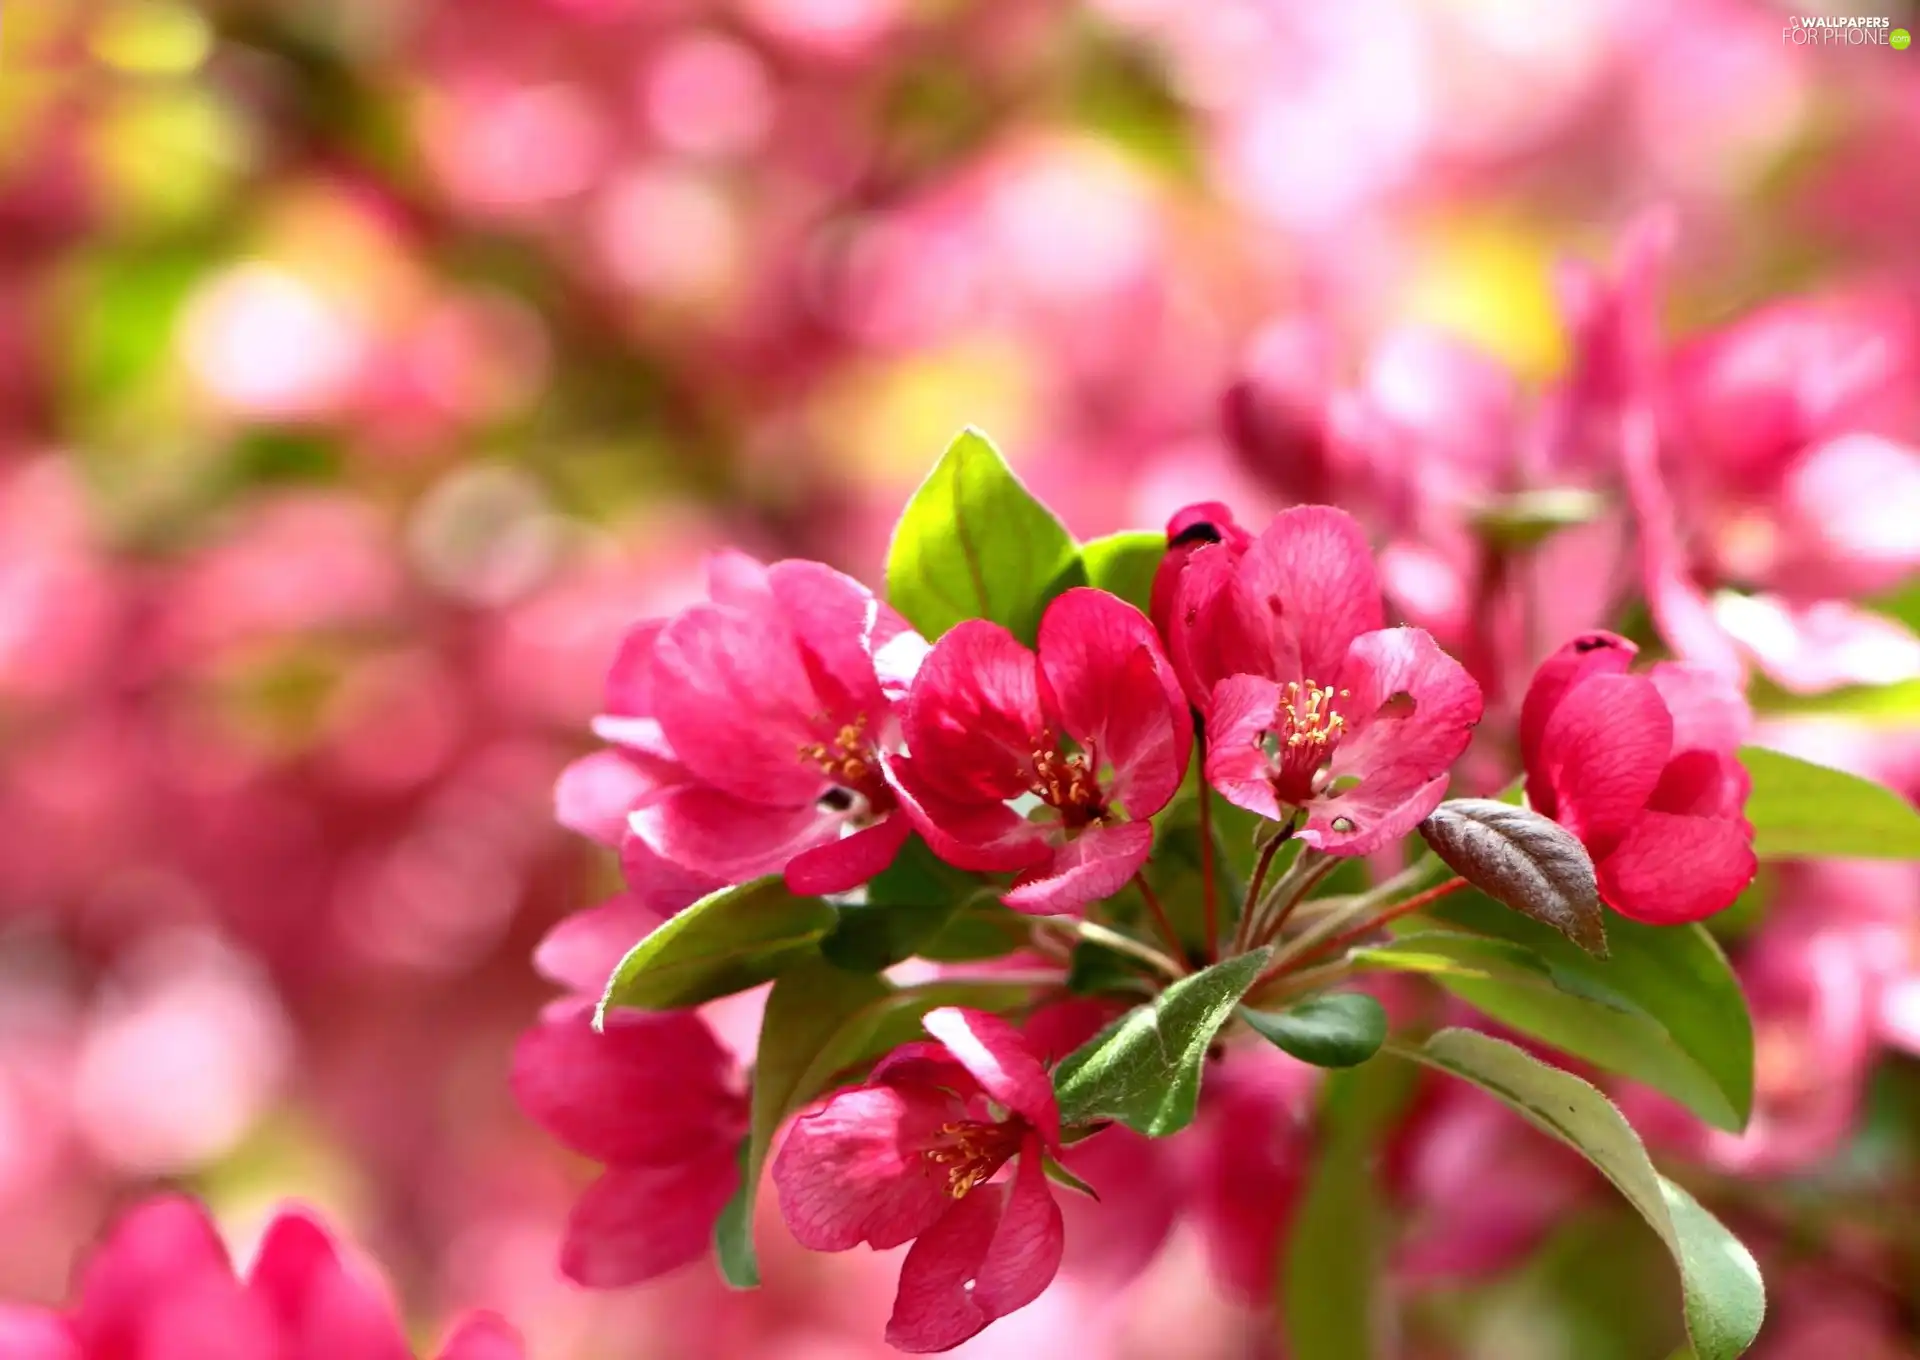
[
  {"x": 1167, "y": 932},
  {"x": 1300, "y": 983},
  {"x": 1126, "y": 944},
  {"x": 1335, "y": 921},
  {"x": 1208, "y": 903},
  {"x": 1292, "y": 890},
  {"x": 1244, "y": 931},
  {"x": 1393, "y": 913}
]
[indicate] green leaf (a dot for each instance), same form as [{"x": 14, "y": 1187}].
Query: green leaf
[
  {"x": 1059, "y": 1175},
  {"x": 975, "y": 544},
  {"x": 1332, "y": 1261},
  {"x": 1725, "y": 1299},
  {"x": 1144, "y": 1069},
  {"x": 980, "y": 929},
  {"x": 1124, "y": 564},
  {"x": 1340, "y": 1029},
  {"x": 1801, "y": 810},
  {"x": 907, "y": 904},
  {"x": 1664, "y": 1007},
  {"x": 1093, "y": 969},
  {"x": 733, "y": 1233},
  {"x": 726, "y": 942}
]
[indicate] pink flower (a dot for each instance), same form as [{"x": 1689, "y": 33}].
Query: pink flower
[
  {"x": 160, "y": 1287},
  {"x": 654, "y": 1098},
  {"x": 1194, "y": 529},
  {"x": 1254, "y": 1148},
  {"x": 1312, "y": 703},
  {"x": 913, "y": 1156},
  {"x": 988, "y": 722},
  {"x": 1642, "y": 768}
]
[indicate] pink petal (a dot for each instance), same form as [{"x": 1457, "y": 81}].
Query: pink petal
[
  {"x": 715, "y": 835},
  {"x": 1090, "y": 868},
  {"x": 652, "y": 1089},
  {"x": 1143, "y": 1189},
  {"x": 1590, "y": 654},
  {"x": 1701, "y": 784},
  {"x": 973, "y": 719},
  {"x": 1370, "y": 817},
  {"x": 595, "y": 794},
  {"x": 1386, "y": 671},
  {"x": 36, "y": 1334},
  {"x": 630, "y": 677},
  {"x": 484, "y": 1336},
  {"x": 1241, "y": 714},
  {"x": 581, "y": 952},
  {"x": 995, "y": 1251},
  {"x": 984, "y": 837},
  {"x": 323, "y": 1310},
  {"x": 1002, "y": 1061},
  {"x": 1217, "y": 630},
  {"x": 1855, "y": 500},
  {"x": 845, "y": 863},
  {"x": 1821, "y": 646},
  {"x": 637, "y": 1223},
  {"x": 1192, "y": 529},
  {"x": 163, "y": 1248},
  {"x": 855, "y": 1168},
  {"x": 831, "y": 616},
  {"x": 1115, "y": 694},
  {"x": 1601, "y": 756},
  {"x": 735, "y": 700},
  {"x": 1709, "y": 713},
  {"x": 738, "y": 579},
  {"x": 1668, "y": 870},
  {"x": 1314, "y": 569},
  {"x": 658, "y": 884}
]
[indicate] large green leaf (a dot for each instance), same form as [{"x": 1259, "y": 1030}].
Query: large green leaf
[
  {"x": 974, "y": 543},
  {"x": 907, "y": 904},
  {"x": 726, "y": 942},
  {"x": 1724, "y": 1297},
  {"x": 1144, "y": 1069},
  {"x": 1331, "y": 1264},
  {"x": 1801, "y": 810},
  {"x": 1124, "y": 564},
  {"x": 733, "y": 1233},
  {"x": 1663, "y": 1008},
  {"x": 1340, "y": 1029}
]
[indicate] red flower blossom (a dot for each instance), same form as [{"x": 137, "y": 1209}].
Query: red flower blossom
[
  {"x": 655, "y": 1099},
  {"x": 1642, "y": 769},
  {"x": 1194, "y": 529},
  {"x": 913, "y": 1156},
  {"x": 746, "y": 733},
  {"x": 988, "y": 723},
  {"x": 160, "y": 1287},
  {"x": 1311, "y": 703}
]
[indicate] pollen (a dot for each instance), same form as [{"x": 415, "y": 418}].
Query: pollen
[
  {"x": 971, "y": 1152},
  {"x": 1067, "y": 782},
  {"x": 844, "y": 759},
  {"x": 1307, "y": 714}
]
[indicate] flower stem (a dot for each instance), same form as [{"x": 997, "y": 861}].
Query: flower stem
[
  {"x": 1207, "y": 899},
  {"x": 1160, "y": 918},
  {"x": 1126, "y": 944},
  {"x": 1292, "y": 890},
  {"x": 1244, "y": 931},
  {"x": 1298, "y": 984},
  {"x": 1393, "y": 913}
]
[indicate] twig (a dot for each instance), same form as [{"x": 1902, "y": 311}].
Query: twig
[
  {"x": 1126, "y": 944},
  {"x": 1244, "y": 931},
  {"x": 1167, "y": 932},
  {"x": 1209, "y": 906},
  {"x": 1393, "y": 913}
]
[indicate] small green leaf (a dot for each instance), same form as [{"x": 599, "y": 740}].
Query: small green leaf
[
  {"x": 1664, "y": 1007},
  {"x": 1340, "y": 1029},
  {"x": 974, "y": 543},
  {"x": 1059, "y": 1175},
  {"x": 733, "y": 1234},
  {"x": 726, "y": 942},
  {"x": 1724, "y": 1297},
  {"x": 980, "y": 929},
  {"x": 1144, "y": 1069},
  {"x": 1332, "y": 1261},
  {"x": 907, "y": 904},
  {"x": 1124, "y": 564},
  {"x": 1802, "y": 810}
]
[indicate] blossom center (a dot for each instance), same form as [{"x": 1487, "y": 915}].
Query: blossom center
[
  {"x": 848, "y": 760},
  {"x": 1066, "y": 782},
  {"x": 1307, "y": 726},
  {"x": 972, "y": 1151}
]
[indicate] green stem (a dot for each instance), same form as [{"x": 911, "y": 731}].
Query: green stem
[
  {"x": 1209, "y": 906},
  {"x": 1126, "y": 944},
  {"x": 1394, "y": 913},
  {"x": 1160, "y": 918},
  {"x": 1244, "y": 931}
]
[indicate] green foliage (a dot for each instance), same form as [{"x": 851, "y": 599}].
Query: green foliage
[
  {"x": 728, "y": 941},
  {"x": 1143, "y": 1070},
  {"x": 907, "y": 904},
  {"x": 733, "y": 1233},
  {"x": 1802, "y": 810},
  {"x": 974, "y": 543},
  {"x": 1725, "y": 1300},
  {"x": 1124, "y": 564},
  {"x": 1340, "y": 1029},
  {"x": 1663, "y": 1008}
]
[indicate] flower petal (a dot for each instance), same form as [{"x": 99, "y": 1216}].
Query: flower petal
[
  {"x": 855, "y": 1169},
  {"x": 1411, "y": 712},
  {"x": 1709, "y": 713},
  {"x": 1091, "y": 867},
  {"x": 712, "y": 833},
  {"x": 984, "y": 837},
  {"x": 1002, "y": 1061},
  {"x": 832, "y": 618},
  {"x": 1702, "y": 784},
  {"x": 36, "y": 1334},
  {"x": 974, "y": 716},
  {"x": 322, "y": 1308},
  {"x": 160, "y": 1286},
  {"x": 595, "y": 794},
  {"x": 636, "y": 1224},
  {"x": 1313, "y": 569},
  {"x": 1241, "y": 714},
  {"x": 843, "y": 864},
  {"x": 1371, "y": 816},
  {"x": 630, "y": 677},
  {"x": 660, "y": 885},
  {"x": 994, "y": 1251},
  {"x": 581, "y": 952},
  {"x": 484, "y": 1336},
  {"x": 1668, "y": 869},
  {"x": 1595, "y": 653},
  {"x": 651, "y": 1089},
  {"x": 1217, "y": 629},
  {"x": 1601, "y": 756}
]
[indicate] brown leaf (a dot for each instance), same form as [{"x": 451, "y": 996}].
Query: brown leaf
[{"x": 1522, "y": 860}]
